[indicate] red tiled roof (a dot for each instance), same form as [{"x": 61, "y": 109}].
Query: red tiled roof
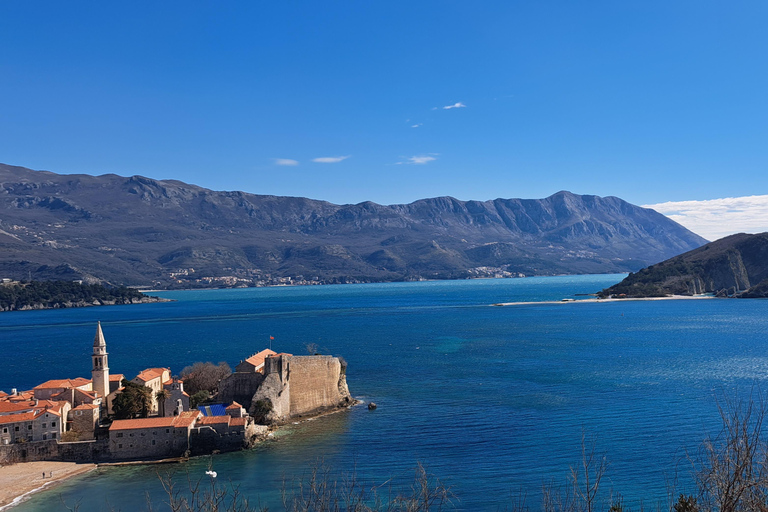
[
  {"x": 238, "y": 422},
  {"x": 63, "y": 383},
  {"x": 158, "y": 422},
  {"x": 258, "y": 358},
  {"x": 83, "y": 407},
  {"x": 3, "y": 393},
  {"x": 214, "y": 420},
  {"x": 28, "y": 416},
  {"x": 13, "y": 418},
  {"x": 233, "y": 405},
  {"x": 116, "y": 377},
  {"x": 11, "y": 407},
  {"x": 185, "y": 419},
  {"x": 152, "y": 373}
]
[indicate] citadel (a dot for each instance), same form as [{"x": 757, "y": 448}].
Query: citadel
[{"x": 74, "y": 419}]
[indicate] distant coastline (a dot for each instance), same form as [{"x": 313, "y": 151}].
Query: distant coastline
[{"x": 37, "y": 295}]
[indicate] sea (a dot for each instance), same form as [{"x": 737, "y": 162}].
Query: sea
[{"x": 494, "y": 402}]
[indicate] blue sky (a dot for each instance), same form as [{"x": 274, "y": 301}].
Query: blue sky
[{"x": 650, "y": 101}]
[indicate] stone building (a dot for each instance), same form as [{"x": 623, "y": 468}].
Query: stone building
[
  {"x": 83, "y": 420},
  {"x": 153, "y": 378},
  {"x": 149, "y": 438},
  {"x": 36, "y": 421}
]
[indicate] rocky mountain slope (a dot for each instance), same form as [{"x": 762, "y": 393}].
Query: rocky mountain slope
[
  {"x": 140, "y": 231},
  {"x": 734, "y": 266}
]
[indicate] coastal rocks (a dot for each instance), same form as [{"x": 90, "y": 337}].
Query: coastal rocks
[{"x": 372, "y": 406}]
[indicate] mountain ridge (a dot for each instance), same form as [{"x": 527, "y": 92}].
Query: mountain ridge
[
  {"x": 137, "y": 230},
  {"x": 733, "y": 266}
]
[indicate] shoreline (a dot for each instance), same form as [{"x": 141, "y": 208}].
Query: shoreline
[
  {"x": 593, "y": 301},
  {"x": 21, "y": 480}
]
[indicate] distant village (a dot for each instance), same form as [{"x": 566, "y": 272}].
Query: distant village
[{"x": 74, "y": 419}]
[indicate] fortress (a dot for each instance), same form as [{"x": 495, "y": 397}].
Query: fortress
[{"x": 74, "y": 419}]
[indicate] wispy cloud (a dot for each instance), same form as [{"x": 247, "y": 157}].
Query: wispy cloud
[
  {"x": 285, "y": 161},
  {"x": 416, "y": 125},
  {"x": 330, "y": 159},
  {"x": 716, "y": 218},
  {"x": 419, "y": 159},
  {"x": 455, "y": 105}
]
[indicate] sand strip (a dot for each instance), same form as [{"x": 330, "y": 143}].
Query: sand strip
[
  {"x": 18, "y": 481},
  {"x": 592, "y": 301}
]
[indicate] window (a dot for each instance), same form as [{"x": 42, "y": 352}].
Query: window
[
  {"x": 29, "y": 427},
  {"x": 167, "y": 431},
  {"x": 53, "y": 435},
  {"x": 119, "y": 445},
  {"x": 78, "y": 413},
  {"x": 5, "y": 430},
  {"x": 45, "y": 425},
  {"x": 16, "y": 429},
  {"x": 45, "y": 437},
  {"x": 153, "y": 442},
  {"x": 53, "y": 424},
  {"x": 119, "y": 434}
]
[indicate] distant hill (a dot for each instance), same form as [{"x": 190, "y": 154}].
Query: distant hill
[
  {"x": 734, "y": 266},
  {"x": 20, "y": 296},
  {"x": 165, "y": 233}
]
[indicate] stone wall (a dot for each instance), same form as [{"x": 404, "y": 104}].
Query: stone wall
[
  {"x": 296, "y": 386},
  {"x": 239, "y": 387},
  {"x": 314, "y": 384},
  {"x": 84, "y": 451}
]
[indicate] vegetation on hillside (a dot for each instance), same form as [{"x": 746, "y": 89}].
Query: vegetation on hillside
[{"x": 62, "y": 294}]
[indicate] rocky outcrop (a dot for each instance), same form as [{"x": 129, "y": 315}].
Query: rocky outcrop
[
  {"x": 735, "y": 266},
  {"x": 298, "y": 386}
]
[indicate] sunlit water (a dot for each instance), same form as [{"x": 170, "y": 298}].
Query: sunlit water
[{"x": 492, "y": 400}]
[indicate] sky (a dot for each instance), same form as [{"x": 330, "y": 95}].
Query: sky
[{"x": 349, "y": 101}]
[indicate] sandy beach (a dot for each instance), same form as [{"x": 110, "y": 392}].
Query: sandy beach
[{"x": 20, "y": 480}]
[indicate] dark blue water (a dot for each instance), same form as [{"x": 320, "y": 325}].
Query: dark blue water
[{"x": 490, "y": 399}]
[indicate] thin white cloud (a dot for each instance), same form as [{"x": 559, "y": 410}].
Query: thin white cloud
[
  {"x": 419, "y": 159},
  {"x": 716, "y": 218},
  {"x": 330, "y": 159},
  {"x": 416, "y": 125},
  {"x": 285, "y": 161},
  {"x": 458, "y": 104}
]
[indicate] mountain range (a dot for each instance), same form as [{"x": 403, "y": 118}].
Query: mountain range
[{"x": 166, "y": 233}]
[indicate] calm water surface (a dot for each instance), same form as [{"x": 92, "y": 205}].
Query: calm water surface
[{"x": 490, "y": 399}]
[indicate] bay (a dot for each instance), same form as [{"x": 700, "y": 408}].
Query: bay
[{"x": 492, "y": 400}]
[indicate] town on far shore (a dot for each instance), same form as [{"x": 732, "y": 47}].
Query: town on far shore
[{"x": 108, "y": 418}]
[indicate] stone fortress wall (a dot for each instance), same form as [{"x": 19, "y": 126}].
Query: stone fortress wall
[{"x": 296, "y": 386}]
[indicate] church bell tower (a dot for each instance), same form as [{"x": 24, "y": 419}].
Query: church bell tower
[{"x": 100, "y": 371}]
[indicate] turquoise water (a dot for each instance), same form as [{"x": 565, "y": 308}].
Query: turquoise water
[{"x": 490, "y": 399}]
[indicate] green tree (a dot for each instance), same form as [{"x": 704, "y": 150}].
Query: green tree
[
  {"x": 134, "y": 401},
  {"x": 198, "y": 398},
  {"x": 161, "y": 396}
]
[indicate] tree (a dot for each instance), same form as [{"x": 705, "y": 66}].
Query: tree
[
  {"x": 161, "y": 396},
  {"x": 204, "y": 376},
  {"x": 133, "y": 401},
  {"x": 198, "y": 398},
  {"x": 732, "y": 468}
]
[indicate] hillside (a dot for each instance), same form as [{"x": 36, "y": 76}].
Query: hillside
[
  {"x": 140, "y": 231},
  {"x": 734, "y": 266}
]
